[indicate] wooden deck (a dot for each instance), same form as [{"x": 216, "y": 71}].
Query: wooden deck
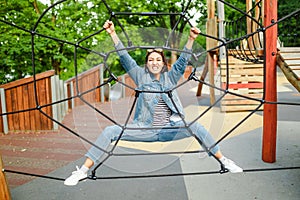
[
  {"x": 244, "y": 78},
  {"x": 41, "y": 152}
]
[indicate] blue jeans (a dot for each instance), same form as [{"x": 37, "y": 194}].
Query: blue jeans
[{"x": 111, "y": 133}]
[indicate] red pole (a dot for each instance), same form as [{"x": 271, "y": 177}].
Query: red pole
[{"x": 270, "y": 110}]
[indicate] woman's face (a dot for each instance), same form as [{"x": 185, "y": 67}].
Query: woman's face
[{"x": 155, "y": 63}]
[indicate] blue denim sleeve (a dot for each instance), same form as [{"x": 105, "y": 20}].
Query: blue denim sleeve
[
  {"x": 179, "y": 66},
  {"x": 120, "y": 46},
  {"x": 128, "y": 63}
]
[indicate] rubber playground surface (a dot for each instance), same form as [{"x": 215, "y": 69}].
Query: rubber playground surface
[{"x": 167, "y": 176}]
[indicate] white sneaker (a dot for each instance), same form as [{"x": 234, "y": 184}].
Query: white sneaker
[
  {"x": 75, "y": 177},
  {"x": 231, "y": 166}
]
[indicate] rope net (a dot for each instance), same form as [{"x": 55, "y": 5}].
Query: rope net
[{"x": 238, "y": 42}]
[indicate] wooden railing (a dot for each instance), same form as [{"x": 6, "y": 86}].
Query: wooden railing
[
  {"x": 84, "y": 82},
  {"x": 22, "y": 106},
  {"x": 20, "y": 100}
]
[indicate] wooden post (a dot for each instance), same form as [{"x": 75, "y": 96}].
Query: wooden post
[
  {"x": 4, "y": 190},
  {"x": 211, "y": 70},
  {"x": 258, "y": 14},
  {"x": 249, "y": 22},
  {"x": 270, "y": 110},
  {"x": 202, "y": 78},
  {"x": 211, "y": 29}
]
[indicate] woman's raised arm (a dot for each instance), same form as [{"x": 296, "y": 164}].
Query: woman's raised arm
[
  {"x": 194, "y": 32},
  {"x": 110, "y": 29}
]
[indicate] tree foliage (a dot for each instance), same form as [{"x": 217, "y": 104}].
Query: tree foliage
[
  {"x": 289, "y": 28},
  {"x": 231, "y": 13},
  {"x": 73, "y": 21},
  {"x": 69, "y": 21}
]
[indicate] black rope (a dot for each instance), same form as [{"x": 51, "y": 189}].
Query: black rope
[
  {"x": 31, "y": 174},
  {"x": 235, "y": 37},
  {"x": 193, "y": 173},
  {"x": 94, "y": 177}
]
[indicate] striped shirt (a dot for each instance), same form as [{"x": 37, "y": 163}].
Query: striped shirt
[{"x": 161, "y": 114}]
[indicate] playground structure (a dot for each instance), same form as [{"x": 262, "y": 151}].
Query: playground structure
[
  {"x": 251, "y": 64},
  {"x": 247, "y": 51},
  {"x": 256, "y": 55}
]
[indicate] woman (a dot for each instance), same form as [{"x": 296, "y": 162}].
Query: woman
[{"x": 152, "y": 109}]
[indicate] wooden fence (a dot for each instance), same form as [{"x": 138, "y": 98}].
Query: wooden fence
[
  {"x": 85, "y": 85},
  {"x": 22, "y": 102},
  {"x": 19, "y": 96},
  {"x": 22, "y": 106}
]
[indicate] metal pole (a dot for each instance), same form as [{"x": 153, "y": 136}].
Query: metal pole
[
  {"x": 221, "y": 16},
  {"x": 3, "y": 107},
  {"x": 54, "y": 95},
  {"x": 101, "y": 71}
]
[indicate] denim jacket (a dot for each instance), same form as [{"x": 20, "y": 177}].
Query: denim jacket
[{"x": 148, "y": 85}]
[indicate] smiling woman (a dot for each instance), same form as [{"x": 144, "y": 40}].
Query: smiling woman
[
  {"x": 159, "y": 112},
  {"x": 156, "y": 62}
]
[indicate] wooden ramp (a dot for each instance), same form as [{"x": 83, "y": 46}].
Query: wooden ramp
[{"x": 288, "y": 59}]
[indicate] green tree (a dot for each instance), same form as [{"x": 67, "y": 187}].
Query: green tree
[
  {"x": 67, "y": 26},
  {"x": 164, "y": 22},
  {"x": 231, "y": 13},
  {"x": 15, "y": 44},
  {"x": 70, "y": 21},
  {"x": 289, "y": 29}
]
